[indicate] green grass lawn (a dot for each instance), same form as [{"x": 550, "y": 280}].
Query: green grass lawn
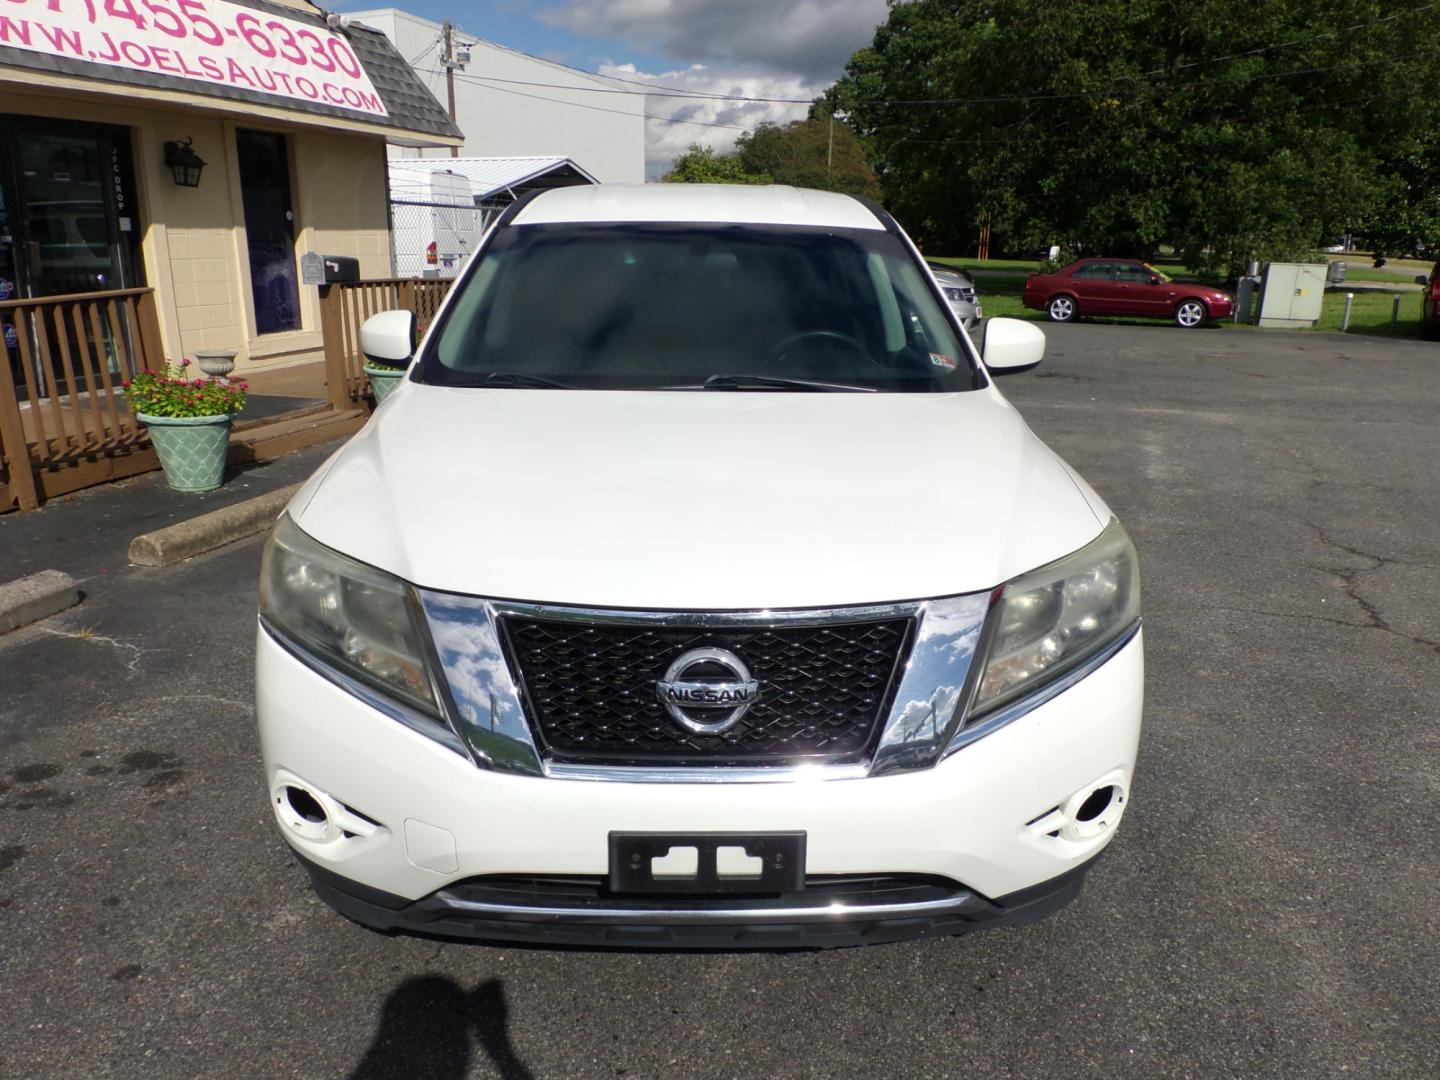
[
  {"x": 1387, "y": 277},
  {"x": 1000, "y": 296},
  {"x": 1371, "y": 314},
  {"x": 973, "y": 266}
]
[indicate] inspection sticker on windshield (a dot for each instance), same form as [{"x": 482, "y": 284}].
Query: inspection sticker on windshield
[{"x": 941, "y": 360}]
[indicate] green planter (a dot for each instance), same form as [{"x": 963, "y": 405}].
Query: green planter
[
  {"x": 191, "y": 449},
  {"x": 383, "y": 380}
]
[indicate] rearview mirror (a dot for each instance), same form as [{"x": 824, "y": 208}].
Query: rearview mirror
[
  {"x": 1012, "y": 345},
  {"x": 388, "y": 338}
]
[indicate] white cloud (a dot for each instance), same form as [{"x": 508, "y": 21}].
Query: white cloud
[
  {"x": 810, "y": 39},
  {"x": 666, "y": 141}
]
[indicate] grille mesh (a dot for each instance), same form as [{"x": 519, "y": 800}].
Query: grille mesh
[{"x": 590, "y": 689}]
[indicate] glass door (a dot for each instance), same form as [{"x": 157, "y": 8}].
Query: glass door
[
  {"x": 68, "y": 179},
  {"x": 9, "y": 255},
  {"x": 269, "y": 230},
  {"x": 67, "y": 225}
]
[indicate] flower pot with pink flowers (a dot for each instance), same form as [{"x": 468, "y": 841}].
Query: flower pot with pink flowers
[{"x": 189, "y": 422}]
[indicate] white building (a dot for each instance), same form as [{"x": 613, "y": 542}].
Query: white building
[{"x": 510, "y": 104}]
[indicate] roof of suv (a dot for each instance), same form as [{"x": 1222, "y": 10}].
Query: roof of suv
[{"x": 745, "y": 204}]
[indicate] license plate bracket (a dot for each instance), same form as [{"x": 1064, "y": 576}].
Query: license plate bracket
[{"x": 781, "y": 870}]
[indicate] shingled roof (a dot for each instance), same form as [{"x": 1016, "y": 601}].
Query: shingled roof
[{"x": 412, "y": 107}]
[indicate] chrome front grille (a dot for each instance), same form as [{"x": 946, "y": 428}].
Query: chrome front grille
[
  {"x": 589, "y": 690},
  {"x": 573, "y": 692}
]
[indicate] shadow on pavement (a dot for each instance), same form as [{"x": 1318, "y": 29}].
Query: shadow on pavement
[{"x": 429, "y": 1027}]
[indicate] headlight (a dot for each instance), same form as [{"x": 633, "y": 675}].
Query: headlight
[
  {"x": 349, "y": 615},
  {"x": 1052, "y": 618}
]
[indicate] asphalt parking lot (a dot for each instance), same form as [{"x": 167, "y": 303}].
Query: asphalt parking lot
[{"x": 1268, "y": 908}]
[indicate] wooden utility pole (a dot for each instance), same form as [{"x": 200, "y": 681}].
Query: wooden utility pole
[
  {"x": 830, "y": 151},
  {"x": 449, "y": 32}
]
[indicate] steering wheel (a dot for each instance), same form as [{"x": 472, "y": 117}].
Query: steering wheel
[{"x": 786, "y": 344}]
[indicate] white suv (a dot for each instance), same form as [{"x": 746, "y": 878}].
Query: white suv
[{"x": 698, "y": 588}]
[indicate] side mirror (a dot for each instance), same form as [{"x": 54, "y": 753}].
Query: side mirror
[
  {"x": 1421, "y": 279},
  {"x": 388, "y": 338},
  {"x": 1012, "y": 345},
  {"x": 1154, "y": 279}
]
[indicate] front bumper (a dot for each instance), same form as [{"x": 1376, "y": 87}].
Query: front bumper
[
  {"x": 481, "y": 911},
  {"x": 427, "y": 823}
]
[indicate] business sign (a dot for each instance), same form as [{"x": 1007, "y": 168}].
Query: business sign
[{"x": 210, "y": 41}]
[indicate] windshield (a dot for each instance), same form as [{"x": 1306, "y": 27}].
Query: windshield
[
  {"x": 1159, "y": 273},
  {"x": 697, "y": 306}
]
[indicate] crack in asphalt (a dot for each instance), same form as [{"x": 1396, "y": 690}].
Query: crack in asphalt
[
  {"x": 87, "y": 634},
  {"x": 1348, "y": 578}
]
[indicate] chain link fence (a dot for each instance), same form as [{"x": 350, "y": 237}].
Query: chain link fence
[{"x": 433, "y": 240}]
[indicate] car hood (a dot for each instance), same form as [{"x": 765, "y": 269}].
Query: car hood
[{"x": 697, "y": 500}]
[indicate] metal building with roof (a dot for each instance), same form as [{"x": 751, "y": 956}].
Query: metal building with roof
[{"x": 511, "y": 104}]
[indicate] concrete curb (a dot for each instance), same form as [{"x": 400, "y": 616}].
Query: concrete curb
[
  {"x": 35, "y": 597},
  {"x": 186, "y": 539}
]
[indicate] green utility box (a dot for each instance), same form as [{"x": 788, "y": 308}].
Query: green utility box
[{"x": 1291, "y": 295}]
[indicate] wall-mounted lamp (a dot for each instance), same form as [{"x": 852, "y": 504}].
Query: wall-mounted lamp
[{"x": 184, "y": 163}]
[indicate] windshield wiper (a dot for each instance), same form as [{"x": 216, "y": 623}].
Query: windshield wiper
[
  {"x": 514, "y": 378},
  {"x": 767, "y": 382}
]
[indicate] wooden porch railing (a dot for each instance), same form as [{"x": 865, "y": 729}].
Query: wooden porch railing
[
  {"x": 344, "y": 307},
  {"x": 63, "y": 424}
]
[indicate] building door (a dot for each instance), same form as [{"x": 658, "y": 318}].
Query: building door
[
  {"x": 269, "y": 230},
  {"x": 67, "y": 218}
]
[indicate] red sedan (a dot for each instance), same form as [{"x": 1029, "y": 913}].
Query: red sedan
[
  {"x": 1430, "y": 304},
  {"x": 1123, "y": 287}
]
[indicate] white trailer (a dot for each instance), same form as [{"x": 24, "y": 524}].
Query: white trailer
[{"x": 434, "y": 222}]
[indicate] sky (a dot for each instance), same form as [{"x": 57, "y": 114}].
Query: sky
[{"x": 746, "y": 48}]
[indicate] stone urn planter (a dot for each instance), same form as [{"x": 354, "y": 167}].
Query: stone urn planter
[
  {"x": 217, "y": 363},
  {"x": 188, "y": 420},
  {"x": 383, "y": 380},
  {"x": 191, "y": 449}
]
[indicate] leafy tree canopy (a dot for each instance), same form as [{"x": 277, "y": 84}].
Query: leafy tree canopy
[
  {"x": 1231, "y": 129},
  {"x": 811, "y": 153},
  {"x": 701, "y": 165}
]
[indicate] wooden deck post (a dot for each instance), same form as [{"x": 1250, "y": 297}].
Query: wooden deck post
[
  {"x": 152, "y": 345},
  {"x": 332, "y": 330},
  {"x": 21, "y": 473}
]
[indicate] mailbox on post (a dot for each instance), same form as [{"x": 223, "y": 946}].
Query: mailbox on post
[{"x": 328, "y": 269}]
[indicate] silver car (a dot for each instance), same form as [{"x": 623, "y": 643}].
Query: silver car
[{"x": 959, "y": 289}]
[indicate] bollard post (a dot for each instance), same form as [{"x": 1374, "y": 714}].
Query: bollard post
[
  {"x": 1395, "y": 313},
  {"x": 1349, "y": 306}
]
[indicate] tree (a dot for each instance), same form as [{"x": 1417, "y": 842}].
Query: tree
[
  {"x": 819, "y": 152},
  {"x": 1233, "y": 130},
  {"x": 701, "y": 165}
]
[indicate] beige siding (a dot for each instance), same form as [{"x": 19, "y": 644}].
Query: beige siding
[{"x": 193, "y": 239}]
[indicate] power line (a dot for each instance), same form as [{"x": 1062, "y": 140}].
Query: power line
[
  {"x": 481, "y": 80},
  {"x": 1296, "y": 41},
  {"x": 659, "y": 90},
  {"x": 422, "y": 52},
  {"x": 488, "y": 82}
]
